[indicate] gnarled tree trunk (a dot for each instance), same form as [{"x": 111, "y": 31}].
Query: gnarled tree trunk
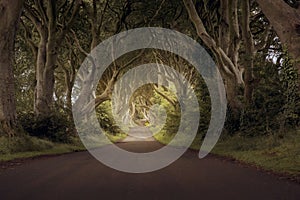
[
  {"x": 9, "y": 16},
  {"x": 44, "y": 15},
  {"x": 45, "y": 67},
  {"x": 227, "y": 53}
]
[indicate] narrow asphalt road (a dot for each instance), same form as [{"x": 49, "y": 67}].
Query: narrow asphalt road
[{"x": 80, "y": 176}]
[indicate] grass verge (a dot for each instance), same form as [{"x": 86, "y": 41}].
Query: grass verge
[
  {"x": 28, "y": 147},
  {"x": 279, "y": 153}
]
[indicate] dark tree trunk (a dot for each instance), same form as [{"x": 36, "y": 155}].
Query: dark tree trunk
[
  {"x": 9, "y": 16},
  {"x": 249, "y": 51}
]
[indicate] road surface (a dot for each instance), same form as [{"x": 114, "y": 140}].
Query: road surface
[{"x": 80, "y": 176}]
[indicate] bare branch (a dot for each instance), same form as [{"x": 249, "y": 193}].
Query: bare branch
[
  {"x": 66, "y": 26},
  {"x": 28, "y": 39},
  {"x": 78, "y": 43},
  {"x": 33, "y": 18},
  {"x": 41, "y": 10}
]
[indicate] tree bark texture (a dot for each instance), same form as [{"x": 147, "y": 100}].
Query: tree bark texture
[{"x": 9, "y": 17}]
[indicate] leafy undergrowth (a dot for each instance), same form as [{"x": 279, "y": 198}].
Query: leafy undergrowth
[
  {"x": 28, "y": 146},
  {"x": 279, "y": 153}
]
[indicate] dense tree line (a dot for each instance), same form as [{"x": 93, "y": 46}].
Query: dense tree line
[{"x": 253, "y": 44}]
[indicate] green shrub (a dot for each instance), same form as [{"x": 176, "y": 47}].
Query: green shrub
[
  {"x": 106, "y": 119},
  {"x": 53, "y": 127},
  {"x": 276, "y": 100}
]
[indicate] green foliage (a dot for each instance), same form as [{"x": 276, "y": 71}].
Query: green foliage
[
  {"x": 106, "y": 120},
  {"x": 232, "y": 123},
  {"x": 204, "y": 101},
  {"x": 290, "y": 112},
  {"x": 174, "y": 114},
  {"x": 54, "y": 127},
  {"x": 276, "y": 100},
  {"x": 25, "y": 76}
]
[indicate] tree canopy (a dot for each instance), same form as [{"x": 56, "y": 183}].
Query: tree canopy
[{"x": 253, "y": 44}]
